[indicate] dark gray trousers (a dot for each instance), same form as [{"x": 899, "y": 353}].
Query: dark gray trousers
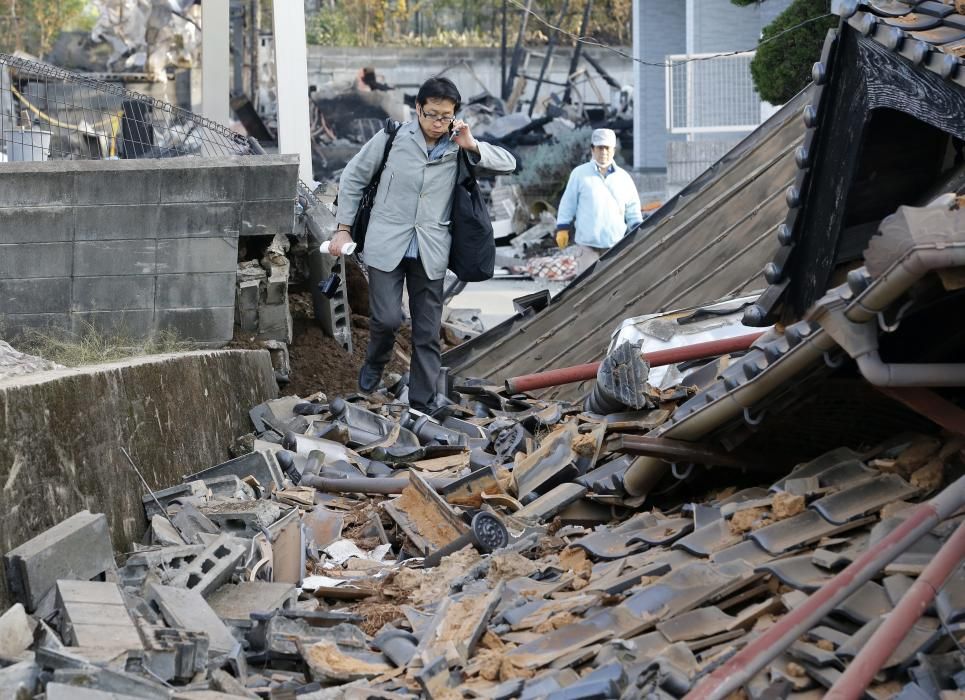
[{"x": 425, "y": 307}]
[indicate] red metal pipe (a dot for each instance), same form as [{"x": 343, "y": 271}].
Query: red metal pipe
[
  {"x": 873, "y": 655},
  {"x": 657, "y": 358},
  {"x": 747, "y": 662}
]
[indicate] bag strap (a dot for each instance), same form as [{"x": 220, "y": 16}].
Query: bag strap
[{"x": 391, "y": 128}]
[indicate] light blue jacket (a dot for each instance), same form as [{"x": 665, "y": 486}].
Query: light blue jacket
[{"x": 601, "y": 209}]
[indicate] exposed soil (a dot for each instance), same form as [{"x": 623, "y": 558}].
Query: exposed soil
[{"x": 319, "y": 363}]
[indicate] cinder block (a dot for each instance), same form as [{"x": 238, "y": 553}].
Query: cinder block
[
  {"x": 94, "y": 614},
  {"x": 271, "y": 177},
  {"x": 216, "y": 254},
  {"x": 35, "y": 185},
  {"x": 46, "y": 295},
  {"x": 195, "y": 290},
  {"x": 36, "y": 225},
  {"x": 214, "y": 325},
  {"x": 126, "y": 182},
  {"x": 116, "y": 221},
  {"x": 113, "y": 293},
  {"x": 268, "y": 218},
  {"x": 213, "y": 567},
  {"x": 29, "y": 260},
  {"x": 78, "y": 547},
  {"x": 105, "y": 258},
  {"x": 275, "y": 322},
  {"x": 188, "y": 610},
  {"x": 211, "y": 182},
  {"x": 234, "y": 603},
  {"x": 243, "y": 518},
  {"x": 261, "y": 465},
  {"x": 172, "y": 654},
  {"x": 124, "y": 323},
  {"x": 248, "y": 294},
  {"x": 276, "y": 289},
  {"x": 203, "y": 219}
]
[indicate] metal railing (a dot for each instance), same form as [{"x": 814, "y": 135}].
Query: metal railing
[
  {"x": 47, "y": 113},
  {"x": 713, "y": 94}
]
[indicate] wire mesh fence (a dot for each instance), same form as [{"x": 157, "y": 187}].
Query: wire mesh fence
[
  {"x": 47, "y": 113},
  {"x": 714, "y": 94}
]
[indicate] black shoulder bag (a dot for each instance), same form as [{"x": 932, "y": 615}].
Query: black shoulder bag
[
  {"x": 472, "y": 253},
  {"x": 367, "y": 201}
]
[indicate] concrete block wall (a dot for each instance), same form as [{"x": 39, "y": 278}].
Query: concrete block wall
[
  {"x": 134, "y": 247},
  {"x": 173, "y": 414}
]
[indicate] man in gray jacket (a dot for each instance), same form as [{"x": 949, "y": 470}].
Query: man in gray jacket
[{"x": 408, "y": 235}]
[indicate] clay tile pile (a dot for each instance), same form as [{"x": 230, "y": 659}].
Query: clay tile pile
[{"x": 358, "y": 549}]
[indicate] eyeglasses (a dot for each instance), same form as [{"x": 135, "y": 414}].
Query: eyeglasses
[{"x": 439, "y": 118}]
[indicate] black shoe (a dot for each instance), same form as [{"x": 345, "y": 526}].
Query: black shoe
[{"x": 369, "y": 378}]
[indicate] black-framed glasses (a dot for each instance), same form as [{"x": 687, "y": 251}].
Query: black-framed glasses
[{"x": 439, "y": 118}]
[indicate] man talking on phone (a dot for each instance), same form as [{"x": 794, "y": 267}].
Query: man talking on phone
[{"x": 408, "y": 234}]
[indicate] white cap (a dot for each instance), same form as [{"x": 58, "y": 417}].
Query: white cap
[{"x": 604, "y": 137}]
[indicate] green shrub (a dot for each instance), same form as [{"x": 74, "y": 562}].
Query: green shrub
[{"x": 782, "y": 68}]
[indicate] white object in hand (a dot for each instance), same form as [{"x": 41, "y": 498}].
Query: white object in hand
[{"x": 347, "y": 249}]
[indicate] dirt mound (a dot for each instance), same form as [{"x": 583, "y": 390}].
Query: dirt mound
[{"x": 318, "y": 363}]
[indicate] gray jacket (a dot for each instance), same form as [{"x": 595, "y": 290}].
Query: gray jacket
[{"x": 414, "y": 194}]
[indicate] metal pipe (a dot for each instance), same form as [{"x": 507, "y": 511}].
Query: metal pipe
[
  {"x": 673, "y": 450},
  {"x": 882, "y": 373},
  {"x": 875, "y": 652},
  {"x": 367, "y": 484},
  {"x": 657, "y": 358},
  {"x": 747, "y": 662}
]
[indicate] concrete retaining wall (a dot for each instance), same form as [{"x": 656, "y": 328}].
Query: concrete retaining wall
[
  {"x": 134, "y": 246},
  {"x": 62, "y": 434}
]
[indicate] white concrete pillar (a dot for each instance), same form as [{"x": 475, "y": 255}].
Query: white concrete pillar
[
  {"x": 638, "y": 68},
  {"x": 215, "y": 60},
  {"x": 291, "y": 77}
]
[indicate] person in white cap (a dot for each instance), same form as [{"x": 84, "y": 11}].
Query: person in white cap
[{"x": 600, "y": 201}]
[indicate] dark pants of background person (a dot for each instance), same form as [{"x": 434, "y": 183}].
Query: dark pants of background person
[{"x": 425, "y": 307}]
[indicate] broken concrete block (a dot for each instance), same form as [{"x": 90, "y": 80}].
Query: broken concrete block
[
  {"x": 226, "y": 683},
  {"x": 261, "y": 465},
  {"x": 165, "y": 562},
  {"x": 228, "y": 486},
  {"x": 19, "y": 680},
  {"x": 213, "y": 567},
  {"x": 103, "y": 684},
  {"x": 62, "y": 691},
  {"x": 187, "y": 610},
  {"x": 164, "y": 533},
  {"x": 16, "y": 632},
  {"x": 78, "y": 548},
  {"x": 171, "y": 654},
  {"x": 234, "y": 603},
  {"x": 191, "y": 523},
  {"x": 165, "y": 496},
  {"x": 243, "y": 518},
  {"x": 275, "y": 322},
  {"x": 94, "y": 614}
]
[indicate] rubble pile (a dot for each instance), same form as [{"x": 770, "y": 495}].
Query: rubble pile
[{"x": 359, "y": 549}]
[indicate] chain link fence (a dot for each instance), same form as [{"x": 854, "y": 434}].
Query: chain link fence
[{"x": 47, "y": 113}]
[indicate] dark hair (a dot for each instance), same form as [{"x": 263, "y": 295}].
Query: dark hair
[{"x": 441, "y": 89}]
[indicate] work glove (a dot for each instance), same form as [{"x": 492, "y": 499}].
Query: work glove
[{"x": 563, "y": 238}]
